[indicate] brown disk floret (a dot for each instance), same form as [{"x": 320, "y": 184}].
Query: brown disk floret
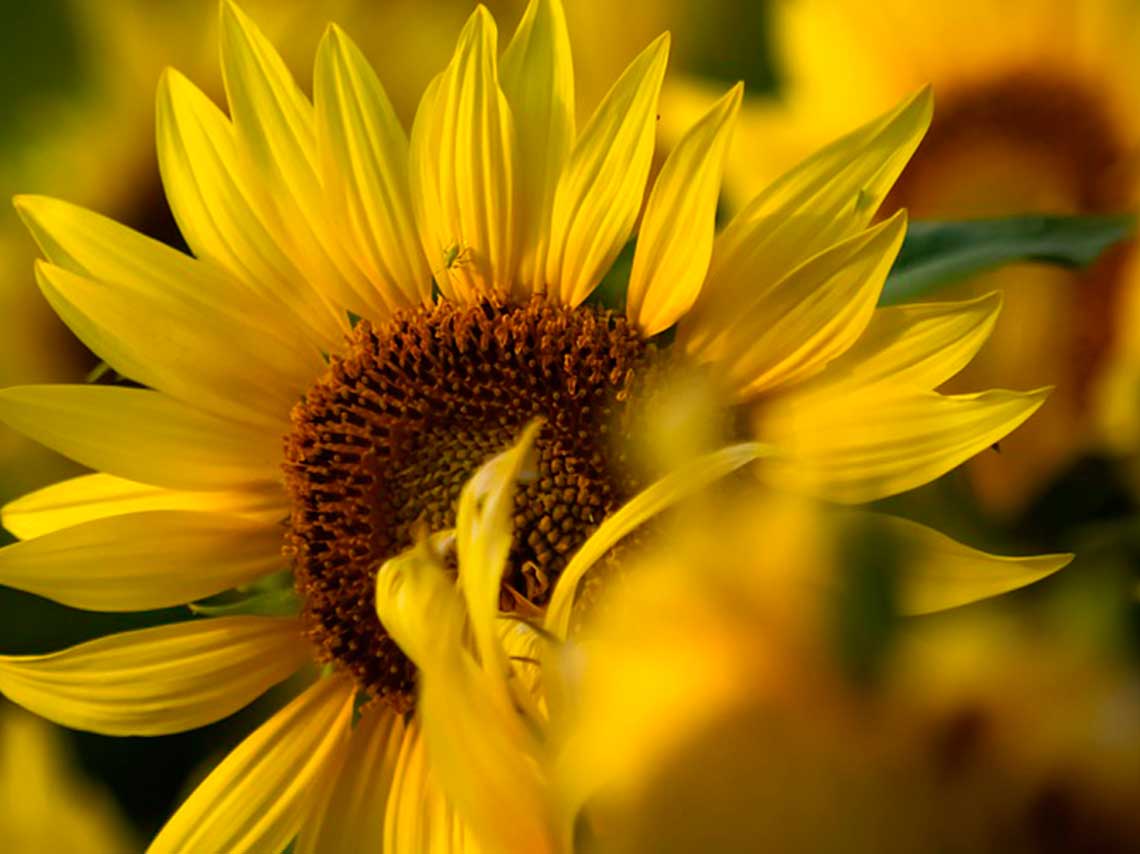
[{"x": 383, "y": 443}]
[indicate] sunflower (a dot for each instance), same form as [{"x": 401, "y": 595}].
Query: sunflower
[
  {"x": 1036, "y": 115},
  {"x": 307, "y": 311}
]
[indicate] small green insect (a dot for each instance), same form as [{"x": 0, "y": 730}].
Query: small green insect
[{"x": 454, "y": 256}]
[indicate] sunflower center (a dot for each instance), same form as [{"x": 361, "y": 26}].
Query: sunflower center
[{"x": 383, "y": 443}]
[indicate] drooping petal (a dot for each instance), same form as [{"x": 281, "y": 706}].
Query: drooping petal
[
  {"x": 676, "y": 238},
  {"x": 918, "y": 346},
  {"x": 160, "y": 680},
  {"x": 829, "y": 197},
  {"x": 811, "y": 317},
  {"x": 256, "y": 799},
  {"x": 276, "y": 134},
  {"x": 867, "y": 445},
  {"x": 184, "y": 348},
  {"x": 141, "y": 435},
  {"x": 97, "y": 496},
  {"x": 140, "y": 561},
  {"x": 487, "y": 760},
  {"x": 939, "y": 573},
  {"x": 350, "y": 815},
  {"x": 363, "y": 154},
  {"x": 656, "y": 498},
  {"x": 463, "y": 170},
  {"x": 483, "y": 530},
  {"x": 600, "y": 192},
  {"x": 211, "y": 195},
  {"x": 538, "y": 81}
]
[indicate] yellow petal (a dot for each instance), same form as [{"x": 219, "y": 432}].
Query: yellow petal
[
  {"x": 420, "y": 818},
  {"x": 483, "y": 530},
  {"x": 275, "y": 129},
  {"x": 685, "y": 481},
  {"x": 829, "y": 197},
  {"x": 938, "y": 573},
  {"x": 160, "y": 680},
  {"x": 462, "y": 167},
  {"x": 868, "y": 445},
  {"x": 920, "y": 345},
  {"x": 812, "y": 316},
  {"x": 256, "y": 799},
  {"x": 141, "y": 435},
  {"x": 211, "y": 196},
  {"x": 676, "y": 238},
  {"x": 600, "y": 192},
  {"x": 487, "y": 760},
  {"x": 418, "y": 605},
  {"x": 350, "y": 815},
  {"x": 97, "y": 496},
  {"x": 183, "y": 348},
  {"x": 364, "y": 164},
  {"x": 143, "y": 560},
  {"x": 538, "y": 81}
]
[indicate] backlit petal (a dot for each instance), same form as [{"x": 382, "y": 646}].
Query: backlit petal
[
  {"x": 919, "y": 346},
  {"x": 350, "y": 815},
  {"x": 812, "y": 316},
  {"x": 829, "y": 197},
  {"x": 141, "y": 435},
  {"x": 364, "y": 166},
  {"x": 159, "y": 680},
  {"x": 212, "y": 197},
  {"x": 188, "y": 349},
  {"x": 870, "y": 444},
  {"x": 538, "y": 80},
  {"x": 256, "y": 799},
  {"x": 462, "y": 167},
  {"x": 276, "y": 134},
  {"x": 97, "y": 496},
  {"x": 676, "y": 237},
  {"x": 600, "y": 192},
  {"x": 140, "y": 561},
  {"x": 938, "y": 573}
]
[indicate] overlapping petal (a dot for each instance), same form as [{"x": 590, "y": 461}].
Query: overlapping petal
[
  {"x": 159, "y": 680},
  {"x": 139, "y": 561},
  {"x": 870, "y": 444},
  {"x": 255, "y": 800},
  {"x": 276, "y": 135},
  {"x": 538, "y": 80},
  {"x": 463, "y": 170},
  {"x": 212, "y": 195},
  {"x": 809, "y": 318},
  {"x": 142, "y": 435},
  {"x": 98, "y": 496},
  {"x": 600, "y": 192},
  {"x": 349, "y": 816},
  {"x": 676, "y": 238},
  {"x": 826, "y": 199},
  {"x": 364, "y": 168}
]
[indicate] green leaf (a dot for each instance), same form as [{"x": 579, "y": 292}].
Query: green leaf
[{"x": 938, "y": 253}]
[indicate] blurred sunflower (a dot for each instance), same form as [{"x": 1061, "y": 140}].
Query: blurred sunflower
[
  {"x": 564, "y": 730},
  {"x": 1036, "y": 114},
  {"x": 317, "y": 228},
  {"x": 45, "y": 804}
]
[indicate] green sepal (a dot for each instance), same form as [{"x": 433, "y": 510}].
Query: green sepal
[{"x": 270, "y": 597}]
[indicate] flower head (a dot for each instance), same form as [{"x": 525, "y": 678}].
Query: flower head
[{"x": 307, "y": 317}]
